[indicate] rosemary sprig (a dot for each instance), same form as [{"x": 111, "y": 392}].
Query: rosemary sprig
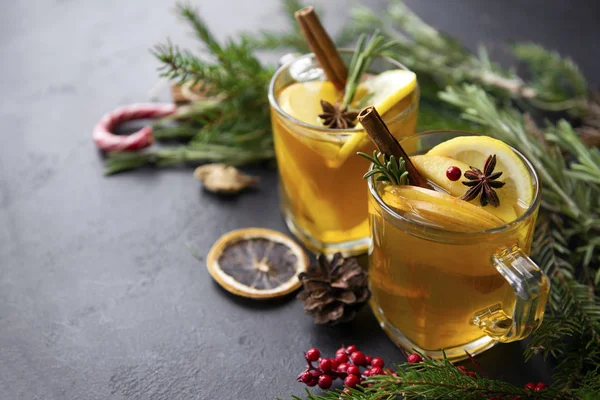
[
  {"x": 387, "y": 169},
  {"x": 364, "y": 54}
]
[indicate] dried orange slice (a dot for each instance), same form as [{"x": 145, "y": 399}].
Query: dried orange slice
[{"x": 257, "y": 263}]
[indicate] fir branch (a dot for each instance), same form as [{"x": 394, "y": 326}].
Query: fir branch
[
  {"x": 558, "y": 82},
  {"x": 436, "y": 379},
  {"x": 571, "y": 331},
  {"x": 232, "y": 127}
]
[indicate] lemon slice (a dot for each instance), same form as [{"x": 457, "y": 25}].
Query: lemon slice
[
  {"x": 385, "y": 91},
  {"x": 301, "y": 101},
  {"x": 474, "y": 150},
  {"x": 433, "y": 168},
  {"x": 257, "y": 263},
  {"x": 440, "y": 209}
]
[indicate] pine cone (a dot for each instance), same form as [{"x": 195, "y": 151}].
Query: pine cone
[{"x": 334, "y": 291}]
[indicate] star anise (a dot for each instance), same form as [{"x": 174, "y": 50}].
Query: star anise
[
  {"x": 335, "y": 117},
  {"x": 483, "y": 183}
]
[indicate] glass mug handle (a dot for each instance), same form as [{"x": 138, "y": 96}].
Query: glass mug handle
[{"x": 531, "y": 287}]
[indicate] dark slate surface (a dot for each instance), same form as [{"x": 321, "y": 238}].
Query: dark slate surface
[{"x": 99, "y": 297}]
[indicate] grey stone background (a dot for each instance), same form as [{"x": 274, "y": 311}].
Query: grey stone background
[{"x": 99, "y": 298}]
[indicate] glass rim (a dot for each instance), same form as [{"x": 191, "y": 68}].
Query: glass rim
[
  {"x": 335, "y": 133},
  {"x": 431, "y": 229}
]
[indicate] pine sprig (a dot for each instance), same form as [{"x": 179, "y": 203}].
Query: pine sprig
[
  {"x": 436, "y": 379},
  {"x": 232, "y": 127},
  {"x": 571, "y": 330},
  {"x": 386, "y": 169}
]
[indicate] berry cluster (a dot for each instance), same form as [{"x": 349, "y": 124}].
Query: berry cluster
[{"x": 346, "y": 365}]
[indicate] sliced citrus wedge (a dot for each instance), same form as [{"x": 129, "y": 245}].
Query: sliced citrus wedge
[
  {"x": 384, "y": 91},
  {"x": 474, "y": 150},
  {"x": 433, "y": 168},
  {"x": 439, "y": 209},
  {"x": 302, "y": 101},
  {"x": 257, "y": 263}
]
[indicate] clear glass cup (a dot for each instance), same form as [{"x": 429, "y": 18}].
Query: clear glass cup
[
  {"x": 323, "y": 196},
  {"x": 437, "y": 290}
]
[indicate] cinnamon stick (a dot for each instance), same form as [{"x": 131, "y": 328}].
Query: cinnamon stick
[
  {"x": 323, "y": 47},
  {"x": 387, "y": 143}
]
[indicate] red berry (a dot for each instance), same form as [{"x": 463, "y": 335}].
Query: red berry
[
  {"x": 334, "y": 364},
  {"x": 353, "y": 370},
  {"x": 376, "y": 371},
  {"x": 414, "y": 358},
  {"x": 351, "y": 349},
  {"x": 472, "y": 374},
  {"x": 341, "y": 357},
  {"x": 540, "y": 386},
  {"x": 343, "y": 367},
  {"x": 462, "y": 369},
  {"x": 530, "y": 386},
  {"x": 368, "y": 359},
  {"x": 325, "y": 381},
  {"x": 453, "y": 173},
  {"x": 313, "y": 354},
  {"x": 377, "y": 362},
  {"x": 312, "y": 382},
  {"x": 367, "y": 373},
  {"x": 351, "y": 381},
  {"x": 358, "y": 358},
  {"x": 306, "y": 376},
  {"x": 325, "y": 364}
]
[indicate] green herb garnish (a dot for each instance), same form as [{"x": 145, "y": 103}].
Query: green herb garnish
[{"x": 388, "y": 169}]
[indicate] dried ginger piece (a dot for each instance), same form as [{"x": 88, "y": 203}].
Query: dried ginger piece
[{"x": 223, "y": 178}]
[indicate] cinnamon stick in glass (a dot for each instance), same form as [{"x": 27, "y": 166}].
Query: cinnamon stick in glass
[
  {"x": 387, "y": 143},
  {"x": 323, "y": 47}
]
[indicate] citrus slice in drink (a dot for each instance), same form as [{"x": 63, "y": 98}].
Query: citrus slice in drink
[
  {"x": 474, "y": 150},
  {"x": 302, "y": 101},
  {"x": 257, "y": 263},
  {"x": 439, "y": 209},
  {"x": 383, "y": 91},
  {"x": 433, "y": 168}
]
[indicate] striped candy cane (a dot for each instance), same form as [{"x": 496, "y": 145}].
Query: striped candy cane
[{"x": 108, "y": 141}]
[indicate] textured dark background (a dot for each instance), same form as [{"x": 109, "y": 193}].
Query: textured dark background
[{"x": 99, "y": 297}]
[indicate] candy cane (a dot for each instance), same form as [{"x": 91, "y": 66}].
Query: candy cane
[{"x": 108, "y": 141}]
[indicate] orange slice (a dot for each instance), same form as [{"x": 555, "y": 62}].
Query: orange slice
[{"x": 257, "y": 263}]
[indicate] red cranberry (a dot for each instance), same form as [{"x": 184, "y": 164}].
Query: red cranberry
[
  {"x": 540, "y": 386},
  {"x": 312, "y": 382},
  {"x": 358, "y": 358},
  {"x": 414, "y": 358},
  {"x": 351, "y": 349},
  {"x": 316, "y": 373},
  {"x": 325, "y": 364},
  {"x": 376, "y": 371},
  {"x": 453, "y": 173},
  {"x": 325, "y": 381},
  {"x": 351, "y": 381},
  {"x": 530, "y": 386},
  {"x": 367, "y": 373},
  {"x": 313, "y": 354},
  {"x": 334, "y": 364},
  {"x": 343, "y": 367},
  {"x": 462, "y": 369},
  {"x": 472, "y": 374},
  {"x": 341, "y": 357},
  {"x": 377, "y": 362},
  {"x": 368, "y": 359},
  {"x": 306, "y": 377},
  {"x": 353, "y": 370}
]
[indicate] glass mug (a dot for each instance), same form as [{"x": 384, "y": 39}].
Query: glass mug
[
  {"x": 323, "y": 195},
  {"x": 434, "y": 289}
]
